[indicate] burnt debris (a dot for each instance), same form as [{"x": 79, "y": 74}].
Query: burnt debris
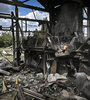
[{"x": 52, "y": 63}]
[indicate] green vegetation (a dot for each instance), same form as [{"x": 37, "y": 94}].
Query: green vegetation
[{"x": 5, "y": 39}]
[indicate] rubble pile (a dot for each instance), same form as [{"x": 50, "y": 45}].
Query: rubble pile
[
  {"x": 35, "y": 86},
  {"x": 63, "y": 78}
]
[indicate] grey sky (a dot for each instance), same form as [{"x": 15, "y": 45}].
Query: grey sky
[{"x": 5, "y": 8}]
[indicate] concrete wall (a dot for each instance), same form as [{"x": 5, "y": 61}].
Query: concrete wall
[{"x": 68, "y": 20}]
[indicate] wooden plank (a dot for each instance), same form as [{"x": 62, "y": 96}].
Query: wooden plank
[
  {"x": 34, "y": 94},
  {"x": 54, "y": 67}
]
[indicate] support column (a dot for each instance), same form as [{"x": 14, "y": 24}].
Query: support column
[
  {"x": 44, "y": 62},
  {"x": 51, "y": 17},
  {"x": 88, "y": 22},
  {"x": 80, "y": 25},
  {"x": 22, "y": 25},
  {"x": 17, "y": 37},
  {"x": 13, "y": 37},
  {"x": 26, "y": 26}
]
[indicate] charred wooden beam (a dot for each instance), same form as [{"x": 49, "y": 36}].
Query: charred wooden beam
[
  {"x": 43, "y": 3},
  {"x": 34, "y": 94},
  {"x": 25, "y": 25},
  {"x": 5, "y": 30},
  {"x": 25, "y": 19},
  {"x": 13, "y": 37},
  {"x": 16, "y": 3},
  {"x": 21, "y": 30},
  {"x": 5, "y": 14},
  {"x": 4, "y": 72},
  {"x": 44, "y": 62},
  {"x": 22, "y": 25},
  {"x": 17, "y": 37}
]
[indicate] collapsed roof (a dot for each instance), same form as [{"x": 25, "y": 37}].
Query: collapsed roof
[{"x": 55, "y": 3}]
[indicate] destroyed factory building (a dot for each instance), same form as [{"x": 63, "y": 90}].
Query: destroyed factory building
[{"x": 50, "y": 63}]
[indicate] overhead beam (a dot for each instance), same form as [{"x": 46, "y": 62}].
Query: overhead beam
[
  {"x": 25, "y": 1},
  {"x": 43, "y": 3},
  {"x": 22, "y": 5},
  {"x": 25, "y": 19},
  {"x": 5, "y": 30}
]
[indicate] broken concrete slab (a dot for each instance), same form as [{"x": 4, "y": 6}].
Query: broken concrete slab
[{"x": 54, "y": 77}]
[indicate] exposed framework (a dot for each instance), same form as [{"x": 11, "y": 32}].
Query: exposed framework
[
  {"x": 15, "y": 23},
  {"x": 49, "y": 6}
]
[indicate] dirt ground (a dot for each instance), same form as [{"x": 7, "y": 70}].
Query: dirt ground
[{"x": 6, "y": 52}]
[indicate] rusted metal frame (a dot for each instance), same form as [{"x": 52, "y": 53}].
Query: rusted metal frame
[{"x": 16, "y": 3}]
